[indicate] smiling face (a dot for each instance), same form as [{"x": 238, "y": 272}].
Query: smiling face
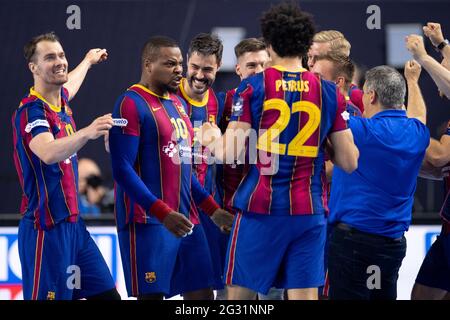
[
  {"x": 201, "y": 72},
  {"x": 49, "y": 63},
  {"x": 167, "y": 69},
  {"x": 251, "y": 63}
]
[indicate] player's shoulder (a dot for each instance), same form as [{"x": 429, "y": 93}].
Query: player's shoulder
[
  {"x": 256, "y": 80},
  {"x": 420, "y": 126},
  {"x": 231, "y": 92},
  {"x": 129, "y": 99},
  {"x": 31, "y": 103},
  {"x": 215, "y": 96},
  {"x": 254, "y": 83}
]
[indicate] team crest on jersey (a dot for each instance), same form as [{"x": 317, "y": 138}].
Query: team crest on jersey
[
  {"x": 51, "y": 295},
  {"x": 68, "y": 111},
  {"x": 150, "y": 277},
  {"x": 180, "y": 108},
  {"x": 238, "y": 105},
  {"x": 170, "y": 149}
]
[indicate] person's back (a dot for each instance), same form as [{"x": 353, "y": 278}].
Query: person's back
[
  {"x": 292, "y": 182},
  {"x": 370, "y": 209},
  {"x": 392, "y": 147},
  {"x": 286, "y": 113}
]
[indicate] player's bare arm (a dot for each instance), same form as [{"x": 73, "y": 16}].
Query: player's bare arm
[
  {"x": 228, "y": 146},
  {"x": 345, "y": 153},
  {"x": 440, "y": 75},
  {"x": 77, "y": 75},
  {"x": 51, "y": 150},
  {"x": 438, "y": 152},
  {"x": 430, "y": 172},
  {"x": 434, "y": 32},
  {"x": 416, "y": 105}
]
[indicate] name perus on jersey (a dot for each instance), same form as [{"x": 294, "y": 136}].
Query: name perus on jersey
[{"x": 292, "y": 85}]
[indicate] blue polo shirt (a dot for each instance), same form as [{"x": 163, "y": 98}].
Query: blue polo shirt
[{"x": 378, "y": 197}]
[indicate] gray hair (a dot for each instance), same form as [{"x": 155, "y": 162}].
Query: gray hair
[{"x": 389, "y": 85}]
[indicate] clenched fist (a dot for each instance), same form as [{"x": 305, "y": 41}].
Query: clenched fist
[
  {"x": 96, "y": 55},
  {"x": 207, "y": 133},
  {"x": 433, "y": 31},
  {"x": 414, "y": 43},
  {"x": 412, "y": 71}
]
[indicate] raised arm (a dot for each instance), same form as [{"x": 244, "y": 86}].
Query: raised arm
[
  {"x": 434, "y": 32},
  {"x": 77, "y": 75},
  {"x": 440, "y": 75},
  {"x": 416, "y": 104}
]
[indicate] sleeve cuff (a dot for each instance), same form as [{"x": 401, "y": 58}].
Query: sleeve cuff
[
  {"x": 209, "y": 205},
  {"x": 160, "y": 210}
]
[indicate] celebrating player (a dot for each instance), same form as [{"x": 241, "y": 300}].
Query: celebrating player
[
  {"x": 156, "y": 193},
  {"x": 278, "y": 238},
  {"x": 52, "y": 236}
]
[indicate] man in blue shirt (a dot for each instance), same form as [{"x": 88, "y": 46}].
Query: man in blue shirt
[{"x": 370, "y": 209}]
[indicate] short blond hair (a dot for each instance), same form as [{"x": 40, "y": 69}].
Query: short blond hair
[{"x": 336, "y": 39}]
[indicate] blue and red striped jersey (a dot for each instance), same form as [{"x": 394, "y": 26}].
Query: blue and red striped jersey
[
  {"x": 50, "y": 192},
  {"x": 292, "y": 112},
  {"x": 355, "y": 94},
  {"x": 230, "y": 175},
  {"x": 152, "y": 156},
  {"x": 208, "y": 110},
  {"x": 352, "y": 109}
]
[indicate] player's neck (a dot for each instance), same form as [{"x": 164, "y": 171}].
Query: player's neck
[
  {"x": 289, "y": 63},
  {"x": 191, "y": 94},
  {"x": 51, "y": 93},
  {"x": 155, "y": 89},
  {"x": 344, "y": 90}
]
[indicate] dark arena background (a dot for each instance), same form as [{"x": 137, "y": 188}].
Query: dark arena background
[{"x": 123, "y": 26}]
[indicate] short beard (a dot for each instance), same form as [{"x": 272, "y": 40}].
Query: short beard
[
  {"x": 208, "y": 85},
  {"x": 171, "y": 89}
]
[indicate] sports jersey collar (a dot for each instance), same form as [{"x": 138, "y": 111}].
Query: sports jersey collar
[
  {"x": 191, "y": 101},
  {"x": 390, "y": 113},
  {"x": 140, "y": 86},
  {"x": 281, "y": 68},
  {"x": 39, "y": 96}
]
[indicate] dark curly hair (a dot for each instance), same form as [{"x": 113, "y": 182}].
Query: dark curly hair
[
  {"x": 207, "y": 44},
  {"x": 288, "y": 29}
]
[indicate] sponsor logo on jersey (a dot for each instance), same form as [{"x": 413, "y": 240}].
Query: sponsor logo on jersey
[
  {"x": 170, "y": 149},
  {"x": 36, "y": 123},
  {"x": 120, "y": 122}
]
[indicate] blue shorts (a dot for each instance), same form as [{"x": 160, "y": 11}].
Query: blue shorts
[
  {"x": 217, "y": 243},
  {"x": 324, "y": 290},
  {"x": 193, "y": 269},
  {"x": 276, "y": 251},
  {"x": 435, "y": 269},
  {"x": 52, "y": 260},
  {"x": 156, "y": 262}
]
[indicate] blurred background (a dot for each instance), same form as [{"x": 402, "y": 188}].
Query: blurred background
[{"x": 123, "y": 26}]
